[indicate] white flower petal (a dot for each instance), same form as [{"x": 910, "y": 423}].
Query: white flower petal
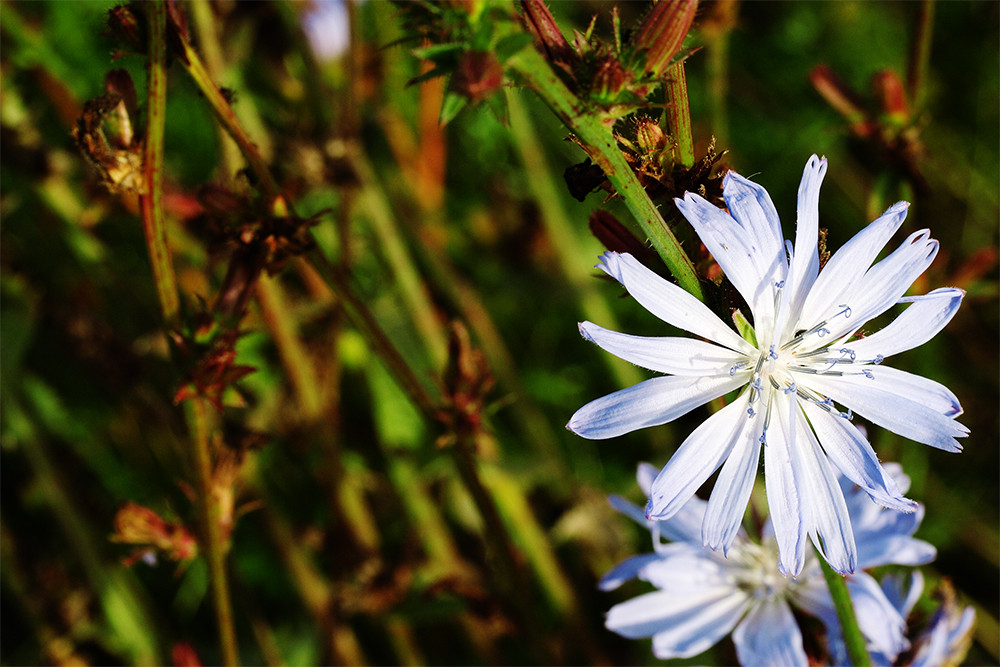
[
  {"x": 673, "y": 355},
  {"x": 699, "y": 629},
  {"x": 685, "y": 524},
  {"x": 739, "y": 253},
  {"x": 751, "y": 206},
  {"x": 783, "y": 499},
  {"x": 903, "y": 595},
  {"x": 821, "y": 493},
  {"x": 914, "y": 326},
  {"x": 729, "y": 499},
  {"x": 650, "y": 403},
  {"x": 698, "y": 457},
  {"x": 885, "y": 537},
  {"x": 669, "y": 302},
  {"x": 854, "y": 457},
  {"x": 884, "y": 284},
  {"x": 847, "y": 266},
  {"x": 769, "y": 635},
  {"x": 804, "y": 266},
  {"x": 627, "y": 569},
  {"x": 887, "y": 405},
  {"x": 665, "y": 612},
  {"x": 687, "y": 569}
]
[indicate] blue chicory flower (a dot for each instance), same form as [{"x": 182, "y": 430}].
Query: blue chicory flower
[
  {"x": 803, "y": 361},
  {"x": 702, "y": 596}
]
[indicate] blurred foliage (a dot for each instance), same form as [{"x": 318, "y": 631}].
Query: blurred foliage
[{"x": 358, "y": 537}]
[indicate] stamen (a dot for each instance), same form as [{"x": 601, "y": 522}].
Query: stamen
[
  {"x": 772, "y": 354},
  {"x": 867, "y": 373},
  {"x": 846, "y": 312},
  {"x": 878, "y": 359},
  {"x": 750, "y": 413},
  {"x": 822, "y": 332},
  {"x": 791, "y": 388},
  {"x": 849, "y": 415},
  {"x": 738, "y": 366},
  {"x": 849, "y": 353}
]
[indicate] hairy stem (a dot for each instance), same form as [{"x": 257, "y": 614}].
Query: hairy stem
[
  {"x": 532, "y": 68},
  {"x": 679, "y": 113}
]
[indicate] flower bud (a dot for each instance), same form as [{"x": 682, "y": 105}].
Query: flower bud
[
  {"x": 888, "y": 90},
  {"x": 649, "y": 135},
  {"x": 662, "y": 32},
  {"x": 540, "y": 23},
  {"x": 123, "y": 24},
  {"x": 478, "y": 75}
]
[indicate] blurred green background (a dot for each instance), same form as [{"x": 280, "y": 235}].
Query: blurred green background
[{"x": 359, "y": 542}]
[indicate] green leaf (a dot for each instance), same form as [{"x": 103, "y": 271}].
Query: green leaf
[
  {"x": 744, "y": 327},
  {"x": 452, "y": 104},
  {"x": 508, "y": 46}
]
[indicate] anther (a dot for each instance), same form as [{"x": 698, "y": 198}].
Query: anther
[
  {"x": 736, "y": 367},
  {"x": 849, "y": 353},
  {"x": 822, "y": 331},
  {"x": 878, "y": 359},
  {"x": 846, "y": 312},
  {"x": 868, "y": 374},
  {"x": 750, "y": 413},
  {"x": 771, "y": 353},
  {"x": 849, "y": 415},
  {"x": 791, "y": 389}
]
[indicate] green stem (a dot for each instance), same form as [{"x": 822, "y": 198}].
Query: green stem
[
  {"x": 853, "y": 639},
  {"x": 215, "y": 550},
  {"x": 152, "y": 201},
  {"x": 603, "y": 150},
  {"x": 921, "y": 54},
  {"x": 679, "y": 113},
  {"x": 224, "y": 111}
]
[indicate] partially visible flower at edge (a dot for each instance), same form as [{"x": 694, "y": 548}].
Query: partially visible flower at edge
[
  {"x": 702, "y": 596},
  {"x": 801, "y": 357}
]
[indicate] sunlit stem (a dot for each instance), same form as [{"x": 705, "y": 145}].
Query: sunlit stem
[
  {"x": 679, "y": 113},
  {"x": 532, "y": 68},
  {"x": 853, "y": 639}
]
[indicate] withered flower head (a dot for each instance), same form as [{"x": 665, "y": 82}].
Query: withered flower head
[
  {"x": 139, "y": 525},
  {"x": 106, "y": 136}
]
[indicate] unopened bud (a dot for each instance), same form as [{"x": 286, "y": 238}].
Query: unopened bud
[
  {"x": 540, "y": 23},
  {"x": 124, "y": 24},
  {"x": 662, "y": 33},
  {"x": 649, "y": 135},
  {"x": 478, "y": 75},
  {"x": 888, "y": 90}
]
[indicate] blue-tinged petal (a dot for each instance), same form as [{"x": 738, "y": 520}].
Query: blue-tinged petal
[
  {"x": 684, "y": 525},
  {"x": 769, "y": 635},
  {"x": 885, "y": 283},
  {"x": 895, "y": 471},
  {"x": 729, "y": 499},
  {"x": 880, "y": 622},
  {"x": 650, "y": 403},
  {"x": 627, "y": 569},
  {"x": 783, "y": 499},
  {"x": 631, "y": 510},
  {"x": 697, "y": 629},
  {"x": 914, "y": 326},
  {"x": 687, "y": 569},
  {"x": 928, "y": 393},
  {"x": 673, "y": 355},
  {"x": 854, "y": 457},
  {"x": 688, "y": 617},
  {"x": 645, "y": 474},
  {"x": 848, "y": 265},
  {"x": 903, "y": 595},
  {"x": 698, "y": 457},
  {"x": 821, "y": 492},
  {"x": 885, "y": 537},
  {"x": 739, "y": 254},
  {"x": 887, "y": 405},
  {"x": 669, "y": 302},
  {"x": 751, "y": 206},
  {"x": 896, "y": 550}
]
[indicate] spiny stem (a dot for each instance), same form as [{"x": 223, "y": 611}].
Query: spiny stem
[
  {"x": 214, "y": 545},
  {"x": 532, "y": 68},
  {"x": 679, "y": 113},
  {"x": 151, "y": 201},
  {"x": 853, "y": 639}
]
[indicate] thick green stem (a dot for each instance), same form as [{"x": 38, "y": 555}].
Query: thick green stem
[
  {"x": 602, "y": 148},
  {"x": 853, "y": 639},
  {"x": 679, "y": 113},
  {"x": 152, "y": 200},
  {"x": 215, "y": 550}
]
